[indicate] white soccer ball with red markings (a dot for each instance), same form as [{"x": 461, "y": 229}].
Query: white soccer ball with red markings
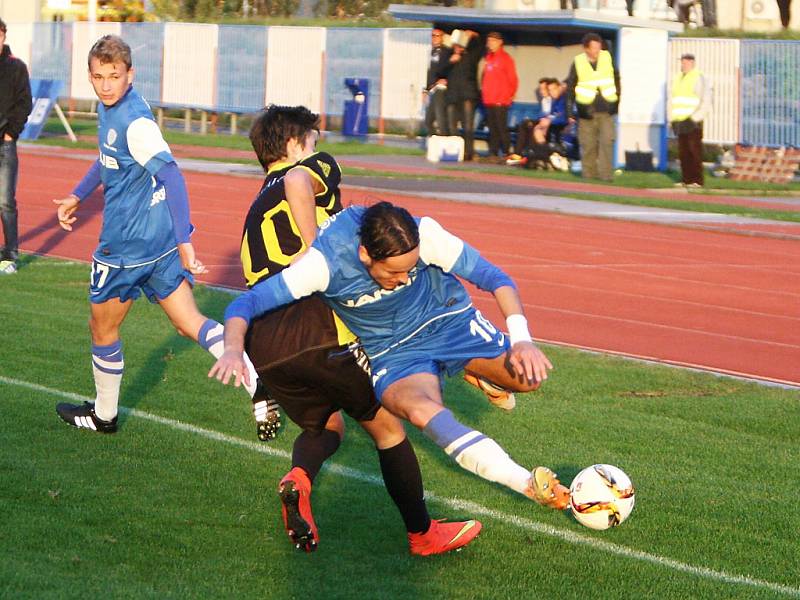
[{"x": 601, "y": 496}]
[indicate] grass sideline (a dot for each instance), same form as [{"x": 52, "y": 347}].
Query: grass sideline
[
  {"x": 87, "y": 128},
  {"x": 162, "y": 511}
]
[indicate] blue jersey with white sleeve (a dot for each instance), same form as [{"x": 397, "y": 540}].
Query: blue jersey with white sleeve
[
  {"x": 137, "y": 225},
  {"x": 382, "y": 318}
]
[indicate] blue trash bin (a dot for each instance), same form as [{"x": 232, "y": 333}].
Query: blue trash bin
[{"x": 356, "y": 111}]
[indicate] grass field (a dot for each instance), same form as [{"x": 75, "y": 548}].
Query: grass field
[{"x": 181, "y": 502}]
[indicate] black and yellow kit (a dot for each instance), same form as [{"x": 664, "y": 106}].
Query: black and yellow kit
[{"x": 299, "y": 350}]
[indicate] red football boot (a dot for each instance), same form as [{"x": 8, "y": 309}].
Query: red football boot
[
  {"x": 443, "y": 537},
  {"x": 295, "y": 493}
]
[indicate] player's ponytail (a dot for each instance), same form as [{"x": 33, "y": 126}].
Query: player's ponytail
[{"x": 388, "y": 230}]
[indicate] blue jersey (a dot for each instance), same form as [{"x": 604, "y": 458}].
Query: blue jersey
[
  {"x": 382, "y": 318},
  {"x": 137, "y": 226}
]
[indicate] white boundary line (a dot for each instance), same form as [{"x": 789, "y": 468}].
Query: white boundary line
[{"x": 565, "y": 535}]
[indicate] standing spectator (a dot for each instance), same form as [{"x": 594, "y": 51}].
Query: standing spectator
[
  {"x": 786, "y": 14},
  {"x": 691, "y": 102},
  {"x": 683, "y": 9},
  {"x": 15, "y": 105},
  {"x": 498, "y": 88},
  {"x": 593, "y": 85},
  {"x": 436, "y": 86},
  {"x": 629, "y": 7},
  {"x": 462, "y": 93}
]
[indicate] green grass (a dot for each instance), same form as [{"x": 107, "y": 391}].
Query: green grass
[
  {"x": 156, "y": 511},
  {"x": 654, "y": 180},
  {"x": 56, "y": 136}
]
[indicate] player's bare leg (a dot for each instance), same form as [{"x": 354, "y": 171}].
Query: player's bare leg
[
  {"x": 497, "y": 374},
  {"x": 417, "y": 398},
  {"x": 496, "y": 378},
  {"x": 181, "y": 309},
  {"x": 107, "y": 368}
]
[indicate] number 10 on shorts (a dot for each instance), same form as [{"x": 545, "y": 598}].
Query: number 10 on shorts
[{"x": 482, "y": 327}]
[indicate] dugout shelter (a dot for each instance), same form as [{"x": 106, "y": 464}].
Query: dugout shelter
[{"x": 544, "y": 44}]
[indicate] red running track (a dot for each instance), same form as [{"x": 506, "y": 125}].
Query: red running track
[{"x": 713, "y": 300}]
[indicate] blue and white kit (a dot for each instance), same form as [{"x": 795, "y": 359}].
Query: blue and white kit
[
  {"x": 425, "y": 325},
  {"x": 146, "y": 209}
]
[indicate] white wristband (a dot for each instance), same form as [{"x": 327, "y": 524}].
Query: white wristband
[{"x": 518, "y": 329}]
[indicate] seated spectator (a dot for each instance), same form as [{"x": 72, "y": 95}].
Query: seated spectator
[
  {"x": 541, "y": 90},
  {"x": 556, "y": 115},
  {"x": 526, "y": 126}
]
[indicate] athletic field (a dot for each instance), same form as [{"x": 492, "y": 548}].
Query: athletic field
[{"x": 181, "y": 502}]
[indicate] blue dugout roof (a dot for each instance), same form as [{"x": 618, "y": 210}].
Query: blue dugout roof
[{"x": 554, "y": 27}]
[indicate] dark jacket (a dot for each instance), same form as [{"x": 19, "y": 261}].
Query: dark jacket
[
  {"x": 600, "y": 104},
  {"x": 462, "y": 78},
  {"x": 439, "y": 65},
  {"x": 15, "y": 94}
]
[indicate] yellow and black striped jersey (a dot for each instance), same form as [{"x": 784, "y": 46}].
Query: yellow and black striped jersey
[
  {"x": 271, "y": 238},
  {"x": 270, "y": 241}
]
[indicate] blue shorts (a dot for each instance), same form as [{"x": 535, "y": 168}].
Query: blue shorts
[
  {"x": 445, "y": 347},
  {"x": 157, "y": 280}
]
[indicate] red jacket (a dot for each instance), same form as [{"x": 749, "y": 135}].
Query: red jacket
[{"x": 500, "y": 82}]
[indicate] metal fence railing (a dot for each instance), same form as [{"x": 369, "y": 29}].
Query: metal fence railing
[
  {"x": 770, "y": 93},
  {"x": 240, "y": 68}
]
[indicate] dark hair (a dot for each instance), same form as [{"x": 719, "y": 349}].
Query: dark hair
[
  {"x": 110, "y": 49},
  {"x": 388, "y": 230},
  {"x": 591, "y": 37},
  {"x": 3, "y": 26},
  {"x": 274, "y": 126}
]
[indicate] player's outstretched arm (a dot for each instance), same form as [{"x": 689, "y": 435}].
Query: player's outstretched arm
[
  {"x": 231, "y": 363},
  {"x": 525, "y": 357}
]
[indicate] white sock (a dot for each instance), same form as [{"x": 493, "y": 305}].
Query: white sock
[
  {"x": 476, "y": 452},
  {"x": 211, "y": 337},
  {"x": 107, "y": 367}
]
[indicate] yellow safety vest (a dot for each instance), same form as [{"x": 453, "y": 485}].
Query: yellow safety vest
[
  {"x": 684, "y": 99},
  {"x": 591, "y": 81}
]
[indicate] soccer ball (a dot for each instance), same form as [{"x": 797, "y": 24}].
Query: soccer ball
[{"x": 601, "y": 496}]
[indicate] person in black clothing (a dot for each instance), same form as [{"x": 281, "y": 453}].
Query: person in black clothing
[
  {"x": 463, "y": 94},
  {"x": 15, "y": 105},
  {"x": 786, "y": 14},
  {"x": 436, "y": 86}
]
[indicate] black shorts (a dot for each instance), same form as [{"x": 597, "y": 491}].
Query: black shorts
[{"x": 311, "y": 386}]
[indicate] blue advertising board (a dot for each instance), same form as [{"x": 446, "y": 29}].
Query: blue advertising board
[{"x": 45, "y": 93}]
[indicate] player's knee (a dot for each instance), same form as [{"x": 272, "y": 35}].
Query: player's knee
[
  {"x": 102, "y": 333},
  {"x": 336, "y": 424}
]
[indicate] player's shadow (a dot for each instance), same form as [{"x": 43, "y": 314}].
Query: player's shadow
[{"x": 93, "y": 206}]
